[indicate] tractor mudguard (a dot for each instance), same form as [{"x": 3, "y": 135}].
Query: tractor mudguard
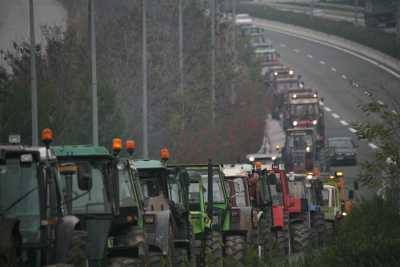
[
  {"x": 64, "y": 229},
  {"x": 277, "y": 214},
  {"x": 8, "y": 230},
  {"x": 246, "y": 221},
  {"x": 158, "y": 234}
]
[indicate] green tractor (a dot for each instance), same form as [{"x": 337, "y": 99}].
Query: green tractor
[
  {"x": 34, "y": 232},
  {"x": 217, "y": 226},
  {"x": 167, "y": 228},
  {"x": 88, "y": 180}
]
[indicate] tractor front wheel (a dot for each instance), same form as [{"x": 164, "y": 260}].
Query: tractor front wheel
[
  {"x": 301, "y": 236},
  {"x": 235, "y": 248},
  {"x": 213, "y": 249}
]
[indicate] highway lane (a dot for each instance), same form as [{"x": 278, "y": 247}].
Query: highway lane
[{"x": 342, "y": 80}]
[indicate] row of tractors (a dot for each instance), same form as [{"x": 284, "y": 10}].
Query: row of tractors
[
  {"x": 80, "y": 205},
  {"x": 311, "y": 198}
]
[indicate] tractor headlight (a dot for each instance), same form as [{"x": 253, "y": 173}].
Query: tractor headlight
[
  {"x": 308, "y": 149},
  {"x": 314, "y": 122},
  {"x": 291, "y": 72},
  {"x": 295, "y": 123},
  {"x": 344, "y": 213}
]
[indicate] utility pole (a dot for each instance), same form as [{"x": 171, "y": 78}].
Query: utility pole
[
  {"x": 213, "y": 100},
  {"x": 92, "y": 29},
  {"x": 233, "y": 91},
  {"x": 144, "y": 82},
  {"x": 398, "y": 28},
  {"x": 181, "y": 81},
  {"x": 34, "y": 100},
  {"x": 312, "y": 8}
]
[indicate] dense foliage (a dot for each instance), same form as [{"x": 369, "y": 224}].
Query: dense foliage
[{"x": 64, "y": 83}]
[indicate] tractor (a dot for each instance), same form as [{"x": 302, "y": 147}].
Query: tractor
[
  {"x": 167, "y": 227},
  {"x": 333, "y": 196},
  {"x": 300, "y": 151},
  {"x": 89, "y": 183},
  {"x": 303, "y": 111},
  {"x": 34, "y": 232}
]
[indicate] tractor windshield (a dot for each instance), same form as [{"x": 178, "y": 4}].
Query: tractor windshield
[
  {"x": 299, "y": 141},
  {"x": 237, "y": 192},
  {"x": 19, "y": 196},
  {"x": 304, "y": 111},
  {"x": 195, "y": 196},
  {"x": 297, "y": 189},
  {"x": 325, "y": 197},
  {"x": 218, "y": 193},
  {"x": 93, "y": 201},
  {"x": 127, "y": 197},
  {"x": 153, "y": 182}
]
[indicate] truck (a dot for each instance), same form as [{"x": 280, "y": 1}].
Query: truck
[
  {"x": 34, "y": 230},
  {"x": 303, "y": 110}
]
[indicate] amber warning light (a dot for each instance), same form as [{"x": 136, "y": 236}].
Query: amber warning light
[
  {"x": 117, "y": 145},
  {"x": 164, "y": 154},
  {"x": 130, "y": 146},
  {"x": 47, "y": 136}
]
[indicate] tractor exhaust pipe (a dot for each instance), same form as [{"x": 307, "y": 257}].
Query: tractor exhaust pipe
[{"x": 210, "y": 190}]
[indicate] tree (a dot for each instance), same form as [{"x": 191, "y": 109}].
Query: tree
[{"x": 383, "y": 171}]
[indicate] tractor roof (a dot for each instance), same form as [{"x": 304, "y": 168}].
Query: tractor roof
[
  {"x": 81, "y": 151},
  {"x": 148, "y": 164}
]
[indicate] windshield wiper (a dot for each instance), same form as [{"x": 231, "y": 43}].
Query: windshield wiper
[
  {"x": 75, "y": 198},
  {"x": 16, "y": 202}
]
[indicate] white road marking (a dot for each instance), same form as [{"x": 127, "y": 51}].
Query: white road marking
[
  {"x": 322, "y": 62},
  {"x": 344, "y": 76},
  {"x": 379, "y": 65},
  {"x": 296, "y": 50},
  {"x": 355, "y": 84},
  {"x": 372, "y": 145},
  {"x": 321, "y": 103},
  {"x": 380, "y": 102},
  {"x": 328, "y": 109},
  {"x": 336, "y": 116},
  {"x": 394, "y": 112},
  {"x": 333, "y": 69},
  {"x": 343, "y": 122},
  {"x": 352, "y": 130},
  {"x": 282, "y": 45},
  {"x": 309, "y": 56}
]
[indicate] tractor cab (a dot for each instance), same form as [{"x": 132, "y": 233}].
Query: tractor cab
[
  {"x": 304, "y": 111},
  {"x": 333, "y": 197},
  {"x": 300, "y": 150},
  {"x": 33, "y": 229}
]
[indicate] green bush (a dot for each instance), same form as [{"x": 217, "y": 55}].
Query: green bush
[{"x": 376, "y": 39}]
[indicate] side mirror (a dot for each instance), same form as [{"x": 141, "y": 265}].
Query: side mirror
[
  {"x": 84, "y": 176},
  {"x": 271, "y": 179}
]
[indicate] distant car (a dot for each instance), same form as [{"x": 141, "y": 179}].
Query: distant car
[
  {"x": 342, "y": 150},
  {"x": 243, "y": 19}
]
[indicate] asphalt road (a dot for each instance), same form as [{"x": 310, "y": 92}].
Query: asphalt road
[{"x": 342, "y": 80}]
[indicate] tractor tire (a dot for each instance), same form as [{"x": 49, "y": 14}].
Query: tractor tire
[
  {"x": 235, "y": 249},
  {"x": 265, "y": 240},
  {"x": 301, "y": 236},
  {"x": 213, "y": 249},
  {"x": 329, "y": 228},
  {"x": 181, "y": 257},
  {"x": 156, "y": 259},
  {"x": 77, "y": 250},
  {"x": 280, "y": 244},
  {"x": 318, "y": 228},
  {"x": 125, "y": 262}
]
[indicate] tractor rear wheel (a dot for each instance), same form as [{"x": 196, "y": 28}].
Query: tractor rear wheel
[
  {"x": 125, "y": 262},
  {"x": 301, "y": 236},
  {"x": 235, "y": 248},
  {"x": 213, "y": 249},
  {"x": 77, "y": 249},
  {"x": 281, "y": 243},
  {"x": 181, "y": 257},
  {"x": 265, "y": 236},
  {"x": 318, "y": 228}
]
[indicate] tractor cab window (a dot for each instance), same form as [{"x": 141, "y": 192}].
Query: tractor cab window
[
  {"x": 218, "y": 193},
  {"x": 275, "y": 189},
  {"x": 237, "y": 192},
  {"x": 94, "y": 199},
  {"x": 195, "y": 196},
  {"x": 127, "y": 197},
  {"x": 152, "y": 182},
  {"x": 299, "y": 141},
  {"x": 173, "y": 188},
  {"x": 325, "y": 197},
  {"x": 19, "y": 196},
  {"x": 296, "y": 189},
  {"x": 304, "y": 111}
]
